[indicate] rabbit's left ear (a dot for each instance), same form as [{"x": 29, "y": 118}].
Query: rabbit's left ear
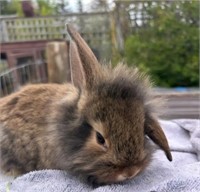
[
  {"x": 155, "y": 132},
  {"x": 91, "y": 67},
  {"x": 77, "y": 75}
]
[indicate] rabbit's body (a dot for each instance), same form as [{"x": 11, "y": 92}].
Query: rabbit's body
[
  {"x": 96, "y": 131},
  {"x": 25, "y": 117}
]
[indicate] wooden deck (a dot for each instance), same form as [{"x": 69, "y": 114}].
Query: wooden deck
[{"x": 181, "y": 105}]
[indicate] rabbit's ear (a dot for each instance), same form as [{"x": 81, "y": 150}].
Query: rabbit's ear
[
  {"x": 91, "y": 66},
  {"x": 77, "y": 75},
  {"x": 155, "y": 132}
]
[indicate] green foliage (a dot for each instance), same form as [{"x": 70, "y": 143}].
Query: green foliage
[
  {"x": 61, "y": 6},
  {"x": 6, "y": 9},
  {"x": 168, "y": 48},
  {"x": 11, "y": 7},
  {"x": 45, "y": 8}
]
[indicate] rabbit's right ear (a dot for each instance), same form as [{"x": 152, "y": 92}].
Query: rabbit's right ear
[
  {"x": 155, "y": 132},
  {"x": 91, "y": 67}
]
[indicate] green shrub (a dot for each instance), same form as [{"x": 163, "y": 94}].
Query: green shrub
[{"x": 168, "y": 47}]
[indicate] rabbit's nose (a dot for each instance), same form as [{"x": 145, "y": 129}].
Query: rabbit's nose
[
  {"x": 121, "y": 177},
  {"x": 128, "y": 174}
]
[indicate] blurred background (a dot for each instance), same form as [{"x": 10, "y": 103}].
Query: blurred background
[{"x": 161, "y": 37}]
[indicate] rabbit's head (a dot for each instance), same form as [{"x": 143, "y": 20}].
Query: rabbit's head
[{"x": 114, "y": 121}]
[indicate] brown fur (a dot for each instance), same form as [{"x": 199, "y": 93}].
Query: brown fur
[{"x": 55, "y": 126}]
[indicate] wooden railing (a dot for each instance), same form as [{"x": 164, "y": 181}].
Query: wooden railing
[
  {"x": 94, "y": 27},
  {"x": 29, "y": 72},
  {"x": 180, "y": 104},
  {"x": 36, "y": 28}
]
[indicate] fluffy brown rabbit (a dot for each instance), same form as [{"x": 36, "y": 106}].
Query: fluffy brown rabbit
[{"x": 99, "y": 131}]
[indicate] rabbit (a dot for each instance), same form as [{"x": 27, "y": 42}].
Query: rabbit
[{"x": 99, "y": 128}]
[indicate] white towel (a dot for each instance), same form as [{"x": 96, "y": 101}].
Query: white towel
[{"x": 180, "y": 175}]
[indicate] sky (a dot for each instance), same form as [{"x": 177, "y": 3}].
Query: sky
[
  {"x": 86, "y": 3},
  {"x": 73, "y": 4}
]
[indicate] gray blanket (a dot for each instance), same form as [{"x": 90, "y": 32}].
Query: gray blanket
[{"x": 181, "y": 175}]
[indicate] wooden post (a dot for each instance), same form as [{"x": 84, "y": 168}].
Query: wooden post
[
  {"x": 119, "y": 34},
  {"x": 64, "y": 63},
  {"x": 57, "y": 62},
  {"x": 4, "y": 34}
]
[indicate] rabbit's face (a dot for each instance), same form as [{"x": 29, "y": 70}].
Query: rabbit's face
[
  {"x": 116, "y": 145},
  {"x": 109, "y": 122}
]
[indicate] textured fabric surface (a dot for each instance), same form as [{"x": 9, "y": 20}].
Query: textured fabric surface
[{"x": 180, "y": 175}]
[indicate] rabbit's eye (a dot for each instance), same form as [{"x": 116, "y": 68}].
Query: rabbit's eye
[{"x": 100, "y": 138}]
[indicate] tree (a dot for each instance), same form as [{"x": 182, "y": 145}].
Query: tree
[
  {"x": 168, "y": 47},
  {"x": 80, "y": 6},
  {"x": 100, "y": 5},
  {"x": 44, "y": 7},
  {"x": 11, "y": 7},
  {"x": 61, "y": 6}
]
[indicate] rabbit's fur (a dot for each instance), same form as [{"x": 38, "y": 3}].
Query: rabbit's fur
[{"x": 97, "y": 131}]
